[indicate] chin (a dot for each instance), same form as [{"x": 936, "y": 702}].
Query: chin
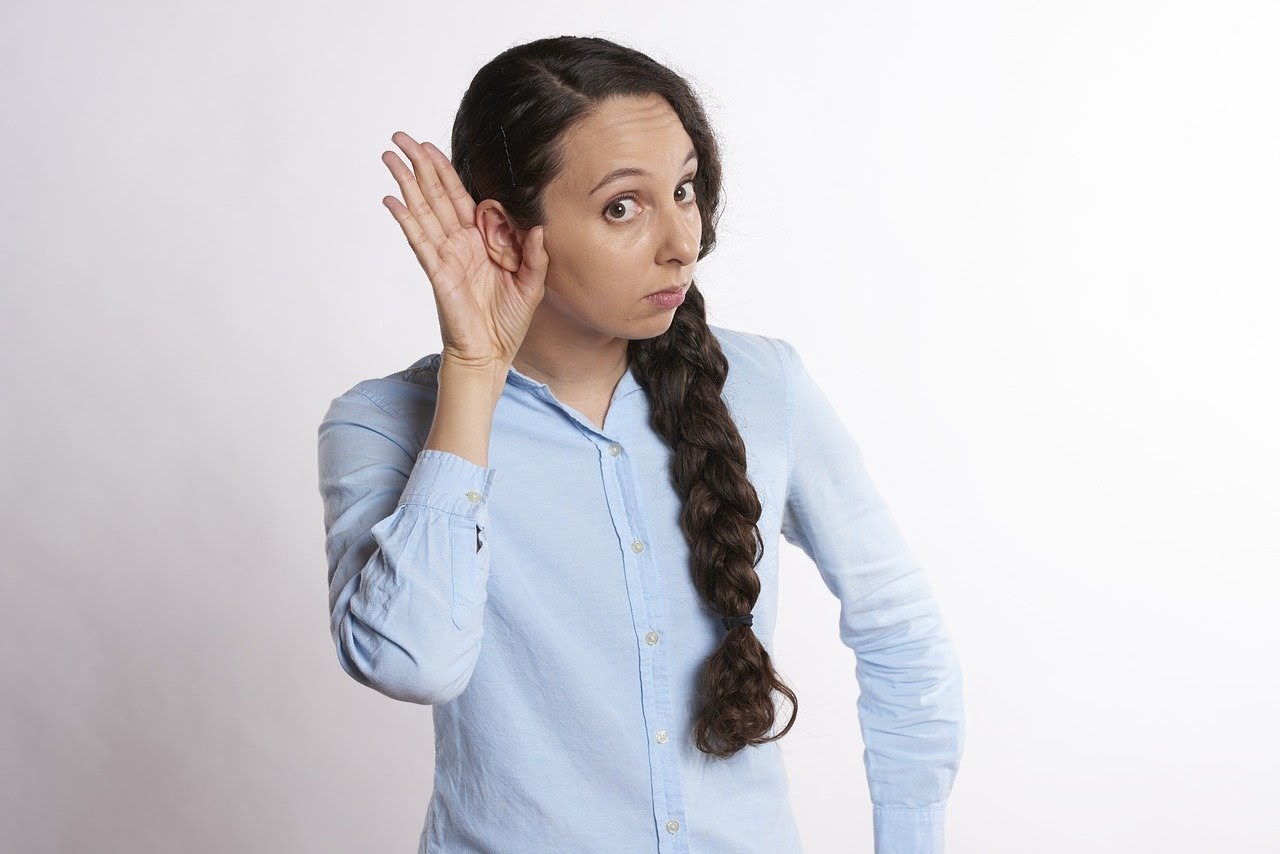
[{"x": 657, "y": 325}]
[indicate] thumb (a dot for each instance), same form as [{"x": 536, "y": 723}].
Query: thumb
[{"x": 533, "y": 257}]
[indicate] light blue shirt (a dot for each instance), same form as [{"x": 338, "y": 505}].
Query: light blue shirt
[{"x": 543, "y": 607}]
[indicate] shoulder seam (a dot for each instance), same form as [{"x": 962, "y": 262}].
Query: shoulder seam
[{"x": 377, "y": 401}]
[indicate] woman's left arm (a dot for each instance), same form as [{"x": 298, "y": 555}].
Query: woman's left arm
[{"x": 910, "y": 705}]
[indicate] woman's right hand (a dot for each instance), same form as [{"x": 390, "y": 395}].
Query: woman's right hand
[{"x": 484, "y": 309}]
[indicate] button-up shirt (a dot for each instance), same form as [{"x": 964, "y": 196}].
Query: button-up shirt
[{"x": 543, "y": 607}]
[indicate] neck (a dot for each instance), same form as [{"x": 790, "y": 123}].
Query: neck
[{"x": 572, "y": 367}]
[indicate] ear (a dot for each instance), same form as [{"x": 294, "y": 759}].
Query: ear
[{"x": 501, "y": 237}]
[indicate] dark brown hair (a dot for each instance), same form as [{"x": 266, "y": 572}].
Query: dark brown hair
[{"x": 506, "y": 146}]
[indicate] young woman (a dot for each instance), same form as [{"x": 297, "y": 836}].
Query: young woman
[{"x": 561, "y": 531}]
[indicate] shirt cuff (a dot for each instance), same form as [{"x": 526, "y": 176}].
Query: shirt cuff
[
  {"x": 449, "y": 483},
  {"x": 908, "y": 830}
]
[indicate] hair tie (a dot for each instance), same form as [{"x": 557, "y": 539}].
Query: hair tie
[{"x": 740, "y": 620}]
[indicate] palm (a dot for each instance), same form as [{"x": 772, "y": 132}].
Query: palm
[{"x": 488, "y": 306}]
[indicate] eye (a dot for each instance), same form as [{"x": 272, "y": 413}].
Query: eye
[{"x": 618, "y": 206}]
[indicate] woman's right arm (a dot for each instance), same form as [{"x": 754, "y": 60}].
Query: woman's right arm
[
  {"x": 405, "y": 523},
  {"x": 405, "y": 538}
]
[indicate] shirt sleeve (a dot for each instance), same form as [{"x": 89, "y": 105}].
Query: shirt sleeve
[
  {"x": 910, "y": 704},
  {"x": 405, "y": 539}
]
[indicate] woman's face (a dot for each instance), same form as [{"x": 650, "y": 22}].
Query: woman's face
[{"x": 612, "y": 242}]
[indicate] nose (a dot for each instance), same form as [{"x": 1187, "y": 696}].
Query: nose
[{"x": 682, "y": 235}]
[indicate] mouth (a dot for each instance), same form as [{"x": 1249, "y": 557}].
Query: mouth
[{"x": 676, "y": 289}]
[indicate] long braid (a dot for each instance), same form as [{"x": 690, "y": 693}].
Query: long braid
[{"x": 683, "y": 371}]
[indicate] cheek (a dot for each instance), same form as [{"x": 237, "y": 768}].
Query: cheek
[
  {"x": 596, "y": 265},
  {"x": 615, "y": 259}
]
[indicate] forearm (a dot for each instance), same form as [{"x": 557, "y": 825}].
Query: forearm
[
  {"x": 404, "y": 539},
  {"x": 465, "y": 403}
]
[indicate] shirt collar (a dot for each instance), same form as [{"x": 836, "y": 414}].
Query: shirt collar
[{"x": 626, "y": 385}]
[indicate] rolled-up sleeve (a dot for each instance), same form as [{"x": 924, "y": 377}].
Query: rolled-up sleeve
[
  {"x": 405, "y": 539},
  {"x": 910, "y": 703}
]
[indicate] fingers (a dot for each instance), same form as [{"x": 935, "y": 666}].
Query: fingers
[
  {"x": 413, "y": 198},
  {"x": 464, "y": 206},
  {"x": 427, "y": 173},
  {"x": 422, "y": 244}
]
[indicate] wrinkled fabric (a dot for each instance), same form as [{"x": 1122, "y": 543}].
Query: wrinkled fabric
[{"x": 543, "y": 607}]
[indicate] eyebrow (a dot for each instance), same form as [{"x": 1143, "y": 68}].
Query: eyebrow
[{"x": 631, "y": 171}]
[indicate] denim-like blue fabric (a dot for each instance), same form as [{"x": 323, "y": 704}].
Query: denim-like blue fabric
[{"x": 543, "y": 607}]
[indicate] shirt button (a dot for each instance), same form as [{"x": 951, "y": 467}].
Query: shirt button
[
  {"x": 651, "y": 638},
  {"x": 662, "y": 736},
  {"x": 637, "y": 547},
  {"x": 615, "y": 449},
  {"x": 473, "y": 496},
  {"x": 673, "y": 826}
]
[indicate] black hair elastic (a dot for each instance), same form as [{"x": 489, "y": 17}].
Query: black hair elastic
[{"x": 740, "y": 620}]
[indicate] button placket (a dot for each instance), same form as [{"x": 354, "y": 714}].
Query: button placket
[{"x": 645, "y": 592}]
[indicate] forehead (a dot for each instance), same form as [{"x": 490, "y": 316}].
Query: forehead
[{"x": 625, "y": 131}]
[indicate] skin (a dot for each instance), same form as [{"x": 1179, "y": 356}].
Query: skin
[{"x": 606, "y": 252}]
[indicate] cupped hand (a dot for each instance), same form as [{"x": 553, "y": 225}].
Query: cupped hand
[{"x": 484, "y": 309}]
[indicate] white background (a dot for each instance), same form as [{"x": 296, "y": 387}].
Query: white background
[{"x": 1029, "y": 249}]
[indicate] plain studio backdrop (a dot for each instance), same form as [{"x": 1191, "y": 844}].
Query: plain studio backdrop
[{"x": 1028, "y": 249}]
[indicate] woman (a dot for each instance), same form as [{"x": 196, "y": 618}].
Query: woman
[{"x": 561, "y": 530}]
